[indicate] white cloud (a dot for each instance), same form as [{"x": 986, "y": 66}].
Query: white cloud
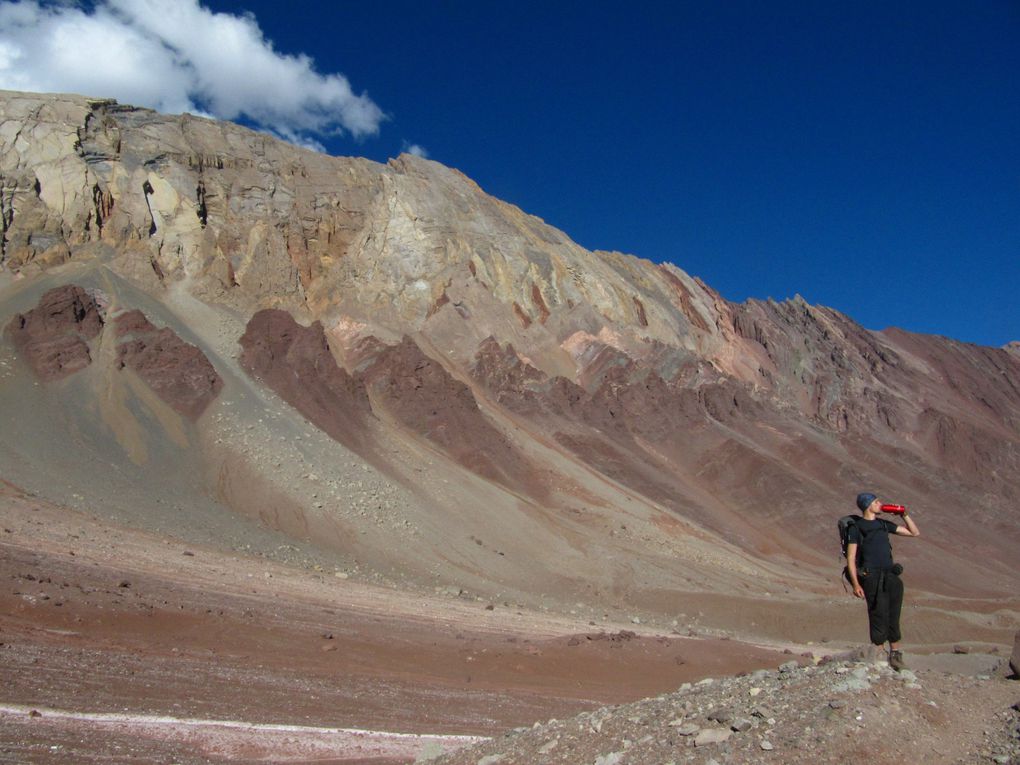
[
  {"x": 416, "y": 150},
  {"x": 177, "y": 56}
]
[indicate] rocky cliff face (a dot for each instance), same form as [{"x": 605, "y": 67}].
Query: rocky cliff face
[{"x": 439, "y": 311}]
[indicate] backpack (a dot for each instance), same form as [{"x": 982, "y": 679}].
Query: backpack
[{"x": 844, "y": 524}]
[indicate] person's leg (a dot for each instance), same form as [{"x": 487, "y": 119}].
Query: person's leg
[
  {"x": 878, "y": 609},
  {"x": 894, "y": 589},
  {"x": 894, "y": 586}
]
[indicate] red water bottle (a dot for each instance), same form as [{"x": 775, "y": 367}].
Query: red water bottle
[{"x": 901, "y": 509}]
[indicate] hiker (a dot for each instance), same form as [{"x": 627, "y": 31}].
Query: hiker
[{"x": 874, "y": 575}]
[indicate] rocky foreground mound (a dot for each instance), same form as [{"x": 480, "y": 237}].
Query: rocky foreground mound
[{"x": 839, "y": 712}]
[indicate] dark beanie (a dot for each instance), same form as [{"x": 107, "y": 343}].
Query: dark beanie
[{"x": 865, "y": 499}]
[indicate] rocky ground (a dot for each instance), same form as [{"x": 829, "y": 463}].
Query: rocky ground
[
  {"x": 118, "y": 644},
  {"x": 841, "y": 712}
]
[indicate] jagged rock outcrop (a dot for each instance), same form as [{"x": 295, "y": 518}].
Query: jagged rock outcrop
[
  {"x": 178, "y": 372},
  {"x": 296, "y": 363},
  {"x": 52, "y": 337},
  {"x": 421, "y": 395}
]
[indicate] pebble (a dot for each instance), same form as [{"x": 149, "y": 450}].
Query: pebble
[
  {"x": 742, "y": 725},
  {"x": 766, "y": 746},
  {"x": 613, "y": 758},
  {"x": 837, "y": 704},
  {"x": 491, "y": 759},
  {"x": 789, "y": 666}
]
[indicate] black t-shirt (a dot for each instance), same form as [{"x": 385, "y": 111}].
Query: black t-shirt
[{"x": 872, "y": 537}]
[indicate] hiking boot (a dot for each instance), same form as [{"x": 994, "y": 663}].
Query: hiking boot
[{"x": 896, "y": 660}]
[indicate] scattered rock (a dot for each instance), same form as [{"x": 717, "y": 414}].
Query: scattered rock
[
  {"x": 686, "y": 729},
  {"x": 766, "y": 746},
  {"x": 708, "y": 736},
  {"x": 741, "y": 725},
  {"x": 613, "y": 758},
  {"x": 720, "y": 715}
]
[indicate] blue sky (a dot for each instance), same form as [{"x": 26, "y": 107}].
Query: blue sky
[{"x": 864, "y": 155}]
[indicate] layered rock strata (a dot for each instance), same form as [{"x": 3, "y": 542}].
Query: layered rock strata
[
  {"x": 178, "y": 372},
  {"x": 53, "y": 337}
]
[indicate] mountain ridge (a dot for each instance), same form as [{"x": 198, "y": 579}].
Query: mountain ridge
[{"x": 597, "y": 403}]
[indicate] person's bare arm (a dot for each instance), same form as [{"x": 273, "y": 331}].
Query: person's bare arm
[
  {"x": 851, "y": 567},
  {"x": 909, "y": 528}
]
